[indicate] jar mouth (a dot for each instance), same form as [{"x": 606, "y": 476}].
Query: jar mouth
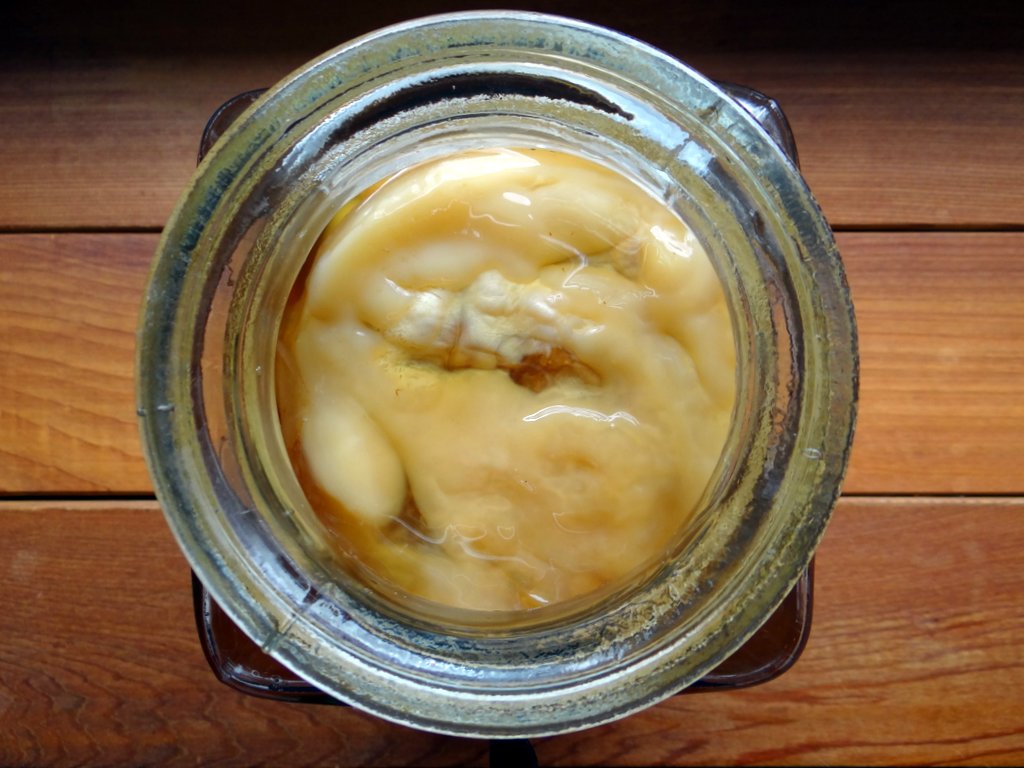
[
  {"x": 287, "y": 252},
  {"x": 235, "y": 245}
]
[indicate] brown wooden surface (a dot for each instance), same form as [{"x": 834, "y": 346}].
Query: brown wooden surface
[
  {"x": 941, "y": 322},
  {"x": 68, "y": 309},
  {"x": 908, "y": 120},
  {"x": 914, "y": 658},
  {"x": 942, "y": 362},
  {"x": 918, "y": 139}
]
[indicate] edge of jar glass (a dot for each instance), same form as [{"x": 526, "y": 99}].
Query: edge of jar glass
[{"x": 158, "y": 395}]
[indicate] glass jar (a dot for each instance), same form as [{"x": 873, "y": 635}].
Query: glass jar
[{"x": 237, "y": 241}]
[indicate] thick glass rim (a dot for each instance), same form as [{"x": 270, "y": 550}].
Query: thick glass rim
[{"x": 597, "y": 668}]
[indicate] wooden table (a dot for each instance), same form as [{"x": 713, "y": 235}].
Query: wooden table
[{"x": 908, "y": 122}]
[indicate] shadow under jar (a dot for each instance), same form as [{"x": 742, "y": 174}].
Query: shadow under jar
[{"x": 238, "y": 241}]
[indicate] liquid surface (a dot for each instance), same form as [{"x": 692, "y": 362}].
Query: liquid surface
[{"x": 506, "y": 379}]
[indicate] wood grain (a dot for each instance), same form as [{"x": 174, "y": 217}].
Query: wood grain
[
  {"x": 914, "y": 658},
  {"x": 68, "y": 310},
  {"x": 941, "y": 322},
  {"x": 910, "y": 139},
  {"x": 942, "y": 354},
  {"x": 112, "y": 673},
  {"x": 907, "y": 120},
  {"x": 901, "y": 139},
  {"x": 110, "y": 143}
]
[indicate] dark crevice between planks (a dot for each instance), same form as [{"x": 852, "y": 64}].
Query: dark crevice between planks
[
  {"x": 881, "y": 228},
  {"x": 64, "y": 497},
  {"x": 143, "y": 497}
]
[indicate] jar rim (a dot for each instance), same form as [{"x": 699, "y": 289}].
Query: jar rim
[{"x": 289, "y": 618}]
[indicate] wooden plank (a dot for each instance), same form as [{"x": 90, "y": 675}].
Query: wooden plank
[
  {"x": 900, "y": 138},
  {"x": 98, "y": 143},
  {"x": 112, "y": 672},
  {"x": 941, "y": 321},
  {"x": 942, "y": 354},
  {"x": 910, "y": 139},
  {"x": 914, "y": 658},
  {"x": 68, "y": 311}
]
